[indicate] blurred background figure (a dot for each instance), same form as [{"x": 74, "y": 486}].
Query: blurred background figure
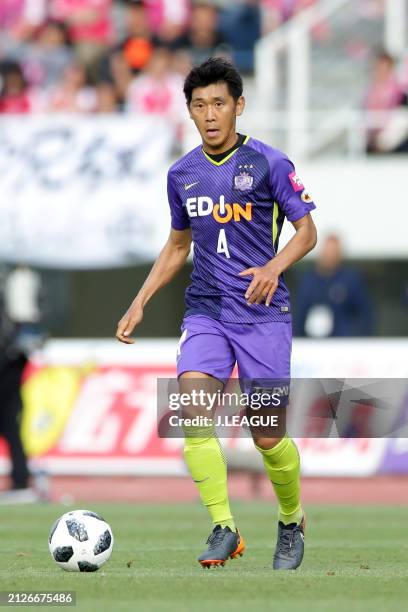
[
  {"x": 332, "y": 299},
  {"x": 168, "y": 19},
  {"x": 19, "y": 20},
  {"x": 384, "y": 94},
  {"x": 203, "y": 38},
  {"x": 89, "y": 25},
  {"x": 19, "y": 335},
  {"x": 47, "y": 55},
  {"x": 24, "y": 296},
  {"x": 276, "y": 12},
  {"x": 14, "y": 93},
  {"x": 130, "y": 55},
  {"x": 240, "y": 26},
  {"x": 73, "y": 93},
  {"x": 107, "y": 101},
  {"x": 135, "y": 45},
  {"x": 159, "y": 91}
]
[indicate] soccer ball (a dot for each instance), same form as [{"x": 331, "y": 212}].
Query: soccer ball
[{"x": 80, "y": 541}]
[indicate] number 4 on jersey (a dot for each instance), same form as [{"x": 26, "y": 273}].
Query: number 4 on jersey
[{"x": 222, "y": 246}]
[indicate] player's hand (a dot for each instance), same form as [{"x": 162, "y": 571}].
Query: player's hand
[
  {"x": 128, "y": 323},
  {"x": 263, "y": 284}
]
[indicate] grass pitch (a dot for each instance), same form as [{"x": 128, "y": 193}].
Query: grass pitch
[{"x": 356, "y": 560}]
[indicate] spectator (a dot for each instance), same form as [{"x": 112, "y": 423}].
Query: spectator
[
  {"x": 241, "y": 28},
  {"x": 393, "y": 138},
  {"x": 121, "y": 77},
  {"x": 89, "y": 25},
  {"x": 384, "y": 94},
  {"x": 404, "y": 77},
  {"x": 332, "y": 299},
  {"x": 132, "y": 54},
  {"x": 73, "y": 94},
  {"x": 159, "y": 90},
  {"x": 14, "y": 96},
  {"x": 48, "y": 55},
  {"x": 181, "y": 63},
  {"x": 137, "y": 47},
  {"x": 203, "y": 39},
  {"x": 276, "y": 12},
  {"x": 106, "y": 98},
  {"x": 19, "y": 19},
  {"x": 167, "y": 19}
]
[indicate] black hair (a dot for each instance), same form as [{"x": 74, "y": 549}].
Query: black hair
[
  {"x": 62, "y": 27},
  {"x": 381, "y": 54},
  {"x": 213, "y": 70},
  {"x": 134, "y": 3},
  {"x": 7, "y": 68}
]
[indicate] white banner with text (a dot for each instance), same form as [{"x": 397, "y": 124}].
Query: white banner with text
[{"x": 83, "y": 192}]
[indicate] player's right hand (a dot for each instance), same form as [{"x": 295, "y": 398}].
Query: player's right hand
[{"x": 128, "y": 323}]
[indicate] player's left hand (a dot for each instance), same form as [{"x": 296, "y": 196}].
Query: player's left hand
[{"x": 263, "y": 285}]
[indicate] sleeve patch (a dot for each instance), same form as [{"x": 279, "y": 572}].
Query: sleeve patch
[
  {"x": 296, "y": 182},
  {"x": 306, "y": 197}
]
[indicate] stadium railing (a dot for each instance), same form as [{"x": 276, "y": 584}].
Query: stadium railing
[
  {"x": 323, "y": 132},
  {"x": 319, "y": 60}
]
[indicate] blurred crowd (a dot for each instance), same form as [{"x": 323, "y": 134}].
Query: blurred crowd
[
  {"x": 91, "y": 56},
  {"x": 103, "y": 56}
]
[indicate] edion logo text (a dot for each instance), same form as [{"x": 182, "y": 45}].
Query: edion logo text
[{"x": 222, "y": 212}]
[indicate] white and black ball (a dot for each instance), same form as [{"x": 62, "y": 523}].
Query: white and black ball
[{"x": 80, "y": 541}]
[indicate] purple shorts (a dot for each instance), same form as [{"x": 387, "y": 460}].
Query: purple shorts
[{"x": 261, "y": 350}]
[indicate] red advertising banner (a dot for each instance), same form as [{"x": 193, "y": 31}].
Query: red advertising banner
[{"x": 90, "y": 407}]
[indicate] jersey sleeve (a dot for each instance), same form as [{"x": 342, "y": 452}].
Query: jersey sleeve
[
  {"x": 288, "y": 190},
  {"x": 179, "y": 217}
]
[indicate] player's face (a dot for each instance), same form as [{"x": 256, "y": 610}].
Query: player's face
[{"x": 214, "y": 111}]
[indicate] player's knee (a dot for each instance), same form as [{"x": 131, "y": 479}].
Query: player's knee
[
  {"x": 194, "y": 439},
  {"x": 266, "y": 443}
]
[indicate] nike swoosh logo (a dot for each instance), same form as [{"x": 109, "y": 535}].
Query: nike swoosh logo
[
  {"x": 201, "y": 480},
  {"x": 190, "y": 185}
]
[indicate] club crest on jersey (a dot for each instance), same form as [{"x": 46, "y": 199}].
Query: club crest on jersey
[
  {"x": 306, "y": 197},
  {"x": 243, "y": 181}
]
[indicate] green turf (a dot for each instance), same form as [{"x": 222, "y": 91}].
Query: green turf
[{"x": 356, "y": 559}]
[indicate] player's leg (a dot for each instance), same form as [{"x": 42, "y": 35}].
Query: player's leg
[
  {"x": 205, "y": 361},
  {"x": 282, "y": 464},
  {"x": 11, "y": 409},
  {"x": 263, "y": 354},
  {"x": 202, "y": 450}
]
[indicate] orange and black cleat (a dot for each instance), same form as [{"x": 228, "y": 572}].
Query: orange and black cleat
[{"x": 223, "y": 544}]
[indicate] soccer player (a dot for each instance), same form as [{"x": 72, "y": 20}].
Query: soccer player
[{"x": 230, "y": 196}]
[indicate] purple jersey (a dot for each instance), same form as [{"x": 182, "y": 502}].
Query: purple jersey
[{"x": 235, "y": 209}]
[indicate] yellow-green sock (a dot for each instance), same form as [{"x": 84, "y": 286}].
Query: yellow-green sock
[
  {"x": 206, "y": 463},
  {"x": 282, "y": 464}
]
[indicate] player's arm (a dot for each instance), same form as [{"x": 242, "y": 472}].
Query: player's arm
[
  {"x": 171, "y": 259},
  {"x": 265, "y": 278}
]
